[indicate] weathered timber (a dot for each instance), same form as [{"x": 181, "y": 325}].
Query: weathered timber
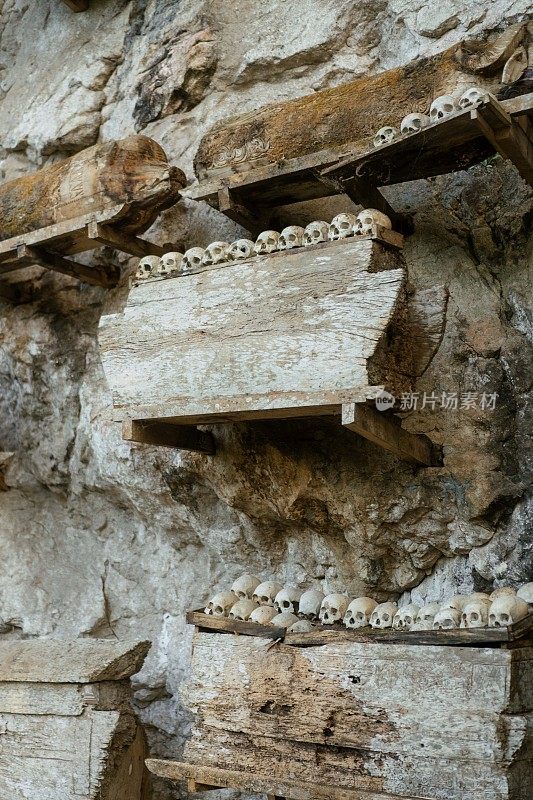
[
  {"x": 164, "y": 434},
  {"x": 290, "y": 334},
  {"x": 407, "y": 721},
  {"x": 111, "y": 237},
  {"x": 225, "y": 625},
  {"x": 67, "y": 728},
  {"x": 77, "y": 661},
  {"x": 36, "y": 256}
]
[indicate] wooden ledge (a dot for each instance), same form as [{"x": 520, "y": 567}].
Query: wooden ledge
[{"x": 166, "y": 434}]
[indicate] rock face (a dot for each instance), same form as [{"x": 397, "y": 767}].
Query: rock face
[{"x": 100, "y": 538}]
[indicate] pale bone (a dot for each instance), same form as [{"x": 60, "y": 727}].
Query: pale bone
[
  {"x": 368, "y": 218},
  {"x": 302, "y": 626},
  {"x": 240, "y": 249},
  {"x": 292, "y": 236},
  {"x": 284, "y": 620},
  {"x": 515, "y": 65},
  {"x": 310, "y": 602},
  {"x": 358, "y": 612},
  {"x": 242, "y": 609},
  {"x": 413, "y": 123},
  {"x": 425, "y": 616},
  {"x": 457, "y": 602},
  {"x": 266, "y": 242},
  {"x": 476, "y": 613},
  {"x": 266, "y": 592},
  {"x": 263, "y": 615},
  {"x": 525, "y": 592},
  {"x": 342, "y": 226},
  {"x": 383, "y": 615},
  {"x": 287, "y": 599},
  {"x": 220, "y": 605},
  {"x": 245, "y": 586},
  {"x": 442, "y": 107},
  {"x": 216, "y": 253},
  {"x": 472, "y": 98},
  {"x": 506, "y": 610},
  {"x": 405, "y": 617},
  {"x": 169, "y": 263},
  {"x": 333, "y": 608},
  {"x": 316, "y": 232},
  {"x": 147, "y": 265},
  {"x": 192, "y": 258},
  {"x": 503, "y": 591},
  {"x": 446, "y": 619},
  {"x": 385, "y": 135}
]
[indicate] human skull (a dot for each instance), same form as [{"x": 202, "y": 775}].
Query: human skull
[
  {"x": 284, "y": 620},
  {"x": 267, "y": 242},
  {"x": 302, "y": 626},
  {"x": 309, "y": 605},
  {"x": 441, "y": 107},
  {"x": 476, "y": 612},
  {"x": 342, "y": 226},
  {"x": 525, "y": 592},
  {"x": 368, "y": 219},
  {"x": 405, "y": 617},
  {"x": 242, "y": 248},
  {"x": 266, "y": 592},
  {"x": 316, "y": 232},
  {"x": 290, "y": 237},
  {"x": 263, "y": 615},
  {"x": 333, "y": 608},
  {"x": 503, "y": 591},
  {"x": 220, "y": 605},
  {"x": 170, "y": 262},
  {"x": 358, "y": 612},
  {"x": 192, "y": 259},
  {"x": 147, "y": 265},
  {"x": 446, "y": 619},
  {"x": 457, "y": 603},
  {"x": 506, "y": 610},
  {"x": 242, "y": 609},
  {"x": 244, "y": 586},
  {"x": 385, "y": 135},
  {"x": 216, "y": 253},
  {"x": 425, "y": 616},
  {"x": 288, "y": 599},
  {"x": 413, "y": 123},
  {"x": 383, "y": 615},
  {"x": 472, "y": 98}
]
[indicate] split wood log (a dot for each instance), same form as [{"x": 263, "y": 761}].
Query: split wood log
[{"x": 132, "y": 173}]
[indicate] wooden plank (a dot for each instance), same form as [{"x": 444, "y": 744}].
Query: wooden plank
[
  {"x": 133, "y": 172},
  {"x": 510, "y": 141},
  {"x": 387, "y": 433},
  {"x": 110, "y": 237},
  {"x": 64, "y": 661},
  {"x": 224, "y": 625},
  {"x": 164, "y": 434},
  {"x": 239, "y": 213},
  {"x": 61, "y": 699},
  {"x": 289, "y": 334},
  {"x": 36, "y": 256},
  {"x": 255, "y": 783}
]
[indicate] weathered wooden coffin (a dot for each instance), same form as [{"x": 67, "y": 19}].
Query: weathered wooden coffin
[
  {"x": 350, "y": 114},
  {"x": 398, "y": 721},
  {"x": 131, "y": 177},
  {"x": 67, "y": 730},
  {"x": 294, "y": 333}
]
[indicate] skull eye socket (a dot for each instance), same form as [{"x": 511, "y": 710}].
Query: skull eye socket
[
  {"x": 474, "y": 616},
  {"x": 265, "y": 598},
  {"x": 285, "y": 604},
  {"x": 386, "y": 617},
  {"x": 504, "y": 617},
  {"x": 408, "y": 620},
  {"x": 333, "y": 610},
  {"x": 359, "y": 615}
]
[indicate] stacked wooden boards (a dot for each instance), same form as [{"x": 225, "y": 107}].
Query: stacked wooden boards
[
  {"x": 351, "y": 720},
  {"x": 67, "y": 731}
]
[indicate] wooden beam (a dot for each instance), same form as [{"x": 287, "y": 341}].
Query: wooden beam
[
  {"x": 113, "y": 237},
  {"x": 386, "y": 431},
  {"x": 230, "y": 206},
  {"x": 511, "y": 139},
  {"x": 77, "y": 5},
  {"x": 28, "y": 256},
  {"x": 166, "y": 434}
]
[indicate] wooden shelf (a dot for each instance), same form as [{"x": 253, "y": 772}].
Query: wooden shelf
[{"x": 456, "y": 143}]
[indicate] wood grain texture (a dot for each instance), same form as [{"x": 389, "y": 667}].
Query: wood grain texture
[
  {"x": 78, "y": 661},
  {"x": 291, "y": 332}
]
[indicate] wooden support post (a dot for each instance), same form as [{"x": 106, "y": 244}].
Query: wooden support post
[
  {"x": 166, "y": 434},
  {"x": 113, "y": 237},
  {"x": 512, "y": 139},
  {"x": 386, "y": 431},
  {"x": 28, "y": 256},
  {"x": 229, "y": 206}
]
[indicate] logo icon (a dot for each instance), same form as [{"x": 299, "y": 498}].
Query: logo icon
[{"x": 384, "y": 400}]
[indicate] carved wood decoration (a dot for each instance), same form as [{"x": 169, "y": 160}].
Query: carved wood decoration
[
  {"x": 67, "y": 729},
  {"x": 351, "y": 720},
  {"x": 104, "y": 195}
]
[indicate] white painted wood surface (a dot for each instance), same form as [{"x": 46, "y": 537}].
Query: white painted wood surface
[{"x": 288, "y": 333}]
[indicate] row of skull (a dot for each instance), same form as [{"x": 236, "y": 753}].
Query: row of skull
[
  {"x": 270, "y": 603},
  {"x": 341, "y": 227},
  {"x": 442, "y": 107}
]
